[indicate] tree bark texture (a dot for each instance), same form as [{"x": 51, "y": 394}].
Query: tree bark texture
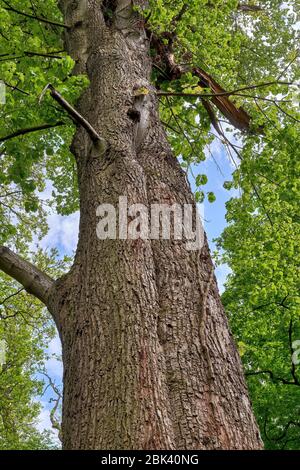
[{"x": 149, "y": 361}]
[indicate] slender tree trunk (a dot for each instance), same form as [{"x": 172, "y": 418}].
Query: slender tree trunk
[{"x": 149, "y": 361}]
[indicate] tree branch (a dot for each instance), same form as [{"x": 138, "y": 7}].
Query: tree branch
[
  {"x": 54, "y": 421},
  {"x": 272, "y": 377},
  {"x": 28, "y": 15},
  {"x": 285, "y": 430},
  {"x": 74, "y": 114},
  {"x": 237, "y": 117},
  {"x": 31, "y": 129},
  {"x": 226, "y": 93},
  {"x": 2, "y": 302},
  {"x": 179, "y": 15},
  {"x": 41, "y": 54},
  {"x": 32, "y": 54},
  {"x": 249, "y": 8},
  {"x": 13, "y": 87},
  {"x": 32, "y": 279}
]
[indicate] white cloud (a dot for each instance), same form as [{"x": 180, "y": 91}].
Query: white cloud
[
  {"x": 63, "y": 230},
  {"x": 55, "y": 346},
  {"x": 219, "y": 148},
  {"x": 216, "y": 149},
  {"x": 222, "y": 273},
  {"x": 55, "y": 370},
  {"x": 63, "y": 233},
  {"x": 43, "y": 422},
  {"x": 54, "y": 366}
]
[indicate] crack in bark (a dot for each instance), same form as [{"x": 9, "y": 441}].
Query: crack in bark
[{"x": 108, "y": 9}]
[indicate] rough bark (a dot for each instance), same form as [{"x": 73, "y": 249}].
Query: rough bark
[{"x": 149, "y": 361}]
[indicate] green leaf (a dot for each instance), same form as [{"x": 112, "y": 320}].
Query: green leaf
[{"x": 211, "y": 197}]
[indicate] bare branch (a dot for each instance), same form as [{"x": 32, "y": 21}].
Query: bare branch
[
  {"x": 74, "y": 114},
  {"x": 54, "y": 421},
  {"x": 212, "y": 116},
  {"x": 31, "y": 129},
  {"x": 32, "y": 279}
]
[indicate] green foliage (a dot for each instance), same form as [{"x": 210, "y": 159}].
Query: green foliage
[
  {"x": 31, "y": 56},
  {"x": 28, "y": 162},
  {"x": 26, "y": 327},
  {"x": 262, "y": 294},
  {"x": 236, "y": 49}
]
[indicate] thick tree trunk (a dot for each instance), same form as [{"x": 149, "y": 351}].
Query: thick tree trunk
[{"x": 149, "y": 362}]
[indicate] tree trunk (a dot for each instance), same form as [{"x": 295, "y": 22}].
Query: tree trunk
[{"x": 149, "y": 361}]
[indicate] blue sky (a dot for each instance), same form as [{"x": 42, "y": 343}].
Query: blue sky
[{"x": 63, "y": 234}]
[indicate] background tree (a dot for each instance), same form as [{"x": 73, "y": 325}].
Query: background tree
[
  {"x": 262, "y": 294},
  {"x": 25, "y": 329},
  {"x": 144, "y": 318}
]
